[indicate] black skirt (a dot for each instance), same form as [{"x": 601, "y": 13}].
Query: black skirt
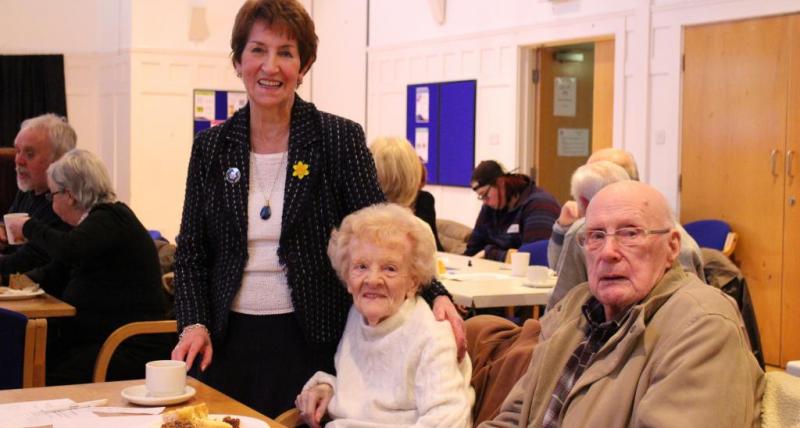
[{"x": 264, "y": 361}]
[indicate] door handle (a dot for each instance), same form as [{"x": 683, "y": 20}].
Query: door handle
[
  {"x": 772, "y": 158},
  {"x": 789, "y": 156}
]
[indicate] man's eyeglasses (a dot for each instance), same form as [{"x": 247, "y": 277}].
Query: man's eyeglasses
[
  {"x": 49, "y": 196},
  {"x": 594, "y": 240}
]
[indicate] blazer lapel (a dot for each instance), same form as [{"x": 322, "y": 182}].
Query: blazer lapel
[
  {"x": 235, "y": 154},
  {"x": 304, "y": 168}
]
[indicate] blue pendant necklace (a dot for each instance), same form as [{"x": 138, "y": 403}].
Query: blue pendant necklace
[{"x": 266, "y": 211}]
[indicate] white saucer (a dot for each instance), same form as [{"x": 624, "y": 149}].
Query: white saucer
[
  {"x": 550, "y": 282},
  {"x": 138, "y": 394}
]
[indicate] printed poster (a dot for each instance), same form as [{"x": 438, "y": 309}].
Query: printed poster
[
  {"x": 423, "y": 102},
  {"x": 573, "y": 142},
  {"x": 204, "y": 106},
  {"x": 421, "y": 143},
  {"x": 565, "y": 96}
]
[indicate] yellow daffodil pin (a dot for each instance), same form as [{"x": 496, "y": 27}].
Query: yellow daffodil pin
[{"x": 300, "y": 170}]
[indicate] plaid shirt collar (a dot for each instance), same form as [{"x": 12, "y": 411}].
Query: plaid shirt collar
[{"x": 597, "y": 333}]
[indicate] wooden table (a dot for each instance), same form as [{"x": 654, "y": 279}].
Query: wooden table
[
  {"x": 217, "y": 402},
  {"x": 503, "y": 290},
  {"x": 38, "y": 309}
]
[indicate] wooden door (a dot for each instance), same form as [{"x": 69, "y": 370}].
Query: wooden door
[
  {"x": 554, "y": 171},
  {"x": 733, "y": 145},
  {"x": 790, "y": 311}
]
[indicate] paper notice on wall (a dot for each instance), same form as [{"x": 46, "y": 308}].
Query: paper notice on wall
[
  {"x": 573, "y": 142},
  {"x": 565, "y": 95},
  {"x": 422, "y": 105},
  {"x": 236, "y": 100},
  {"x": 204, "y": 106},
  {"x": 421, "y": 143}
]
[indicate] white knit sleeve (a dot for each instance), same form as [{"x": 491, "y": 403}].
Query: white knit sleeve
[{"x": 319, "y": 378}]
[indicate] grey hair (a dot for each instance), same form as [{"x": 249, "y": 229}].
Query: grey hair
[
  {"x": 588, "y": 179},
  {"x": 60, "y": 134},
  {"x": 83, "y": 174}
]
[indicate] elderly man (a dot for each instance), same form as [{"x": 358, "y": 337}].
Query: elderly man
[
  {"x": 643, "y": 343},
  {"x": 563, "y": 253},
  {"x": 40, "y": 141}
]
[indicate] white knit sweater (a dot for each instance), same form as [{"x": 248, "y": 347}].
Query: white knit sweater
[{"x": 400, "y": 373}]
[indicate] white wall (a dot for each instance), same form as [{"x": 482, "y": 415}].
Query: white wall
[
  {"x": 487, "y": 41},
  {"x": 131, "y": 67}
]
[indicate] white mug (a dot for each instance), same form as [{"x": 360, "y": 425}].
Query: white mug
[
  {"x": 538, "y": 274},
  {"x": 14, "y": 218},
  {"x": 519, "y": 263},
  {"x": 165, "y": 378}
]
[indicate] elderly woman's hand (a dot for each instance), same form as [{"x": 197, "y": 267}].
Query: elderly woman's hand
[
  {"x": 192, "y": 342},
  {"x": 313, "y": 403},
  {"x": 443, "y": 309}
]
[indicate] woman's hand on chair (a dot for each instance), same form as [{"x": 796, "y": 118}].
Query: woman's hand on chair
[
  {"x": 313, "y": 403},
  {"x": 192, "y": 342}
]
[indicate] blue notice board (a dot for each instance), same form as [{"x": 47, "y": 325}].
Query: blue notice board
[
  {"x": 440, "y": 122},
  {"x": 212, "y": 107}
]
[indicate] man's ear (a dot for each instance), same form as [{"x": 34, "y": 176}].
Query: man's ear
[{"x": 674, "y": 245}]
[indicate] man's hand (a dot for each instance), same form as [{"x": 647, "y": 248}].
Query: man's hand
[
  {"x": 569, "y": 214},
  {"x": 193, "y": 342},
  {"x": 3, "y": 237},
  {"x": 313, "y": 403},
  {"x": 443, "y": 309}
]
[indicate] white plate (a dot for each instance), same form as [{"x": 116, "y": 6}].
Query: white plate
[
  {"x": 138, "y": 394},
  {"x": 244, "y": 421},
  {"x": 11, "y": 294}
]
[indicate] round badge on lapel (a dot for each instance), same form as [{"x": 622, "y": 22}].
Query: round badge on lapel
[{"x": 232, "y": 175}]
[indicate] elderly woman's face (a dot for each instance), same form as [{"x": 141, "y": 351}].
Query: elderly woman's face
[
  {"x": 379, "y": 279},
  {"x": 63, "y": 204},
  {"x": 270, "y": 67}
]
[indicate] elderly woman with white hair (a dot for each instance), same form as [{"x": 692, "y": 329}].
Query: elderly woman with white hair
[
  {"x": 395, "y": 365},
  {"x": 115, "y": 276}
]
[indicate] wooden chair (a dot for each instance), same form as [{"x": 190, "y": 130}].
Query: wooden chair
[
  {"x": 714, "y": 234},
  {"x": 290, "y": 418},
  {"x": 122, "y": 333}
]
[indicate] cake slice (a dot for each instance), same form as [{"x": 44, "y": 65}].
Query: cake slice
[{"x": 195, "y": 416}]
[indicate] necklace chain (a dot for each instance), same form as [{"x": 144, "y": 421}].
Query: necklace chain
[{"x": 274, "y": 180}]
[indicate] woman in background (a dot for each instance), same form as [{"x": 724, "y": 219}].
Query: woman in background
[
  {"x": 115, "y": 276},
  {"x": 514, "y": 212},
  {"x": 402, "y": 175}
]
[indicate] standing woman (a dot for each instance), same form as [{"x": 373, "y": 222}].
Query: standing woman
[{"x": 255, "y": 292}]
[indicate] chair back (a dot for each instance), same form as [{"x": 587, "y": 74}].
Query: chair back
[
  {"x": 709, "y": 233},
  {"x": 17, "y": 336},
  {"x": 538, "y": 252},
  {"x": 122, "y": 333},
  {"x": 780, "y": 405}
]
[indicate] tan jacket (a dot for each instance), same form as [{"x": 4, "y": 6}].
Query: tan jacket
[{"x": 681, "y": 359}]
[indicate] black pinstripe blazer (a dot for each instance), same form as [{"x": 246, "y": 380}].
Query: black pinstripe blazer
[{"x": 212, "y": 245}]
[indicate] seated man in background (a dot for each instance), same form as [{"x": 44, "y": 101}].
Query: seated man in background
[
  {"x": 643, "y": 343},
  {"x": 40, "y": 141},
  {"x": 563, "y": 253},
  {"x": 515, "y": 211}
]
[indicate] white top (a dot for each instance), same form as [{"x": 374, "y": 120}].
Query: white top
[
  {"x": 264, "y": 289},
  {"x": 401, "y": 373}
]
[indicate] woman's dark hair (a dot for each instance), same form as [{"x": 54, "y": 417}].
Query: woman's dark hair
[
  {"x": 287, "y": 15},
  {"x": 487, "y": 172},
  {"x": 511, "y": 185}
]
